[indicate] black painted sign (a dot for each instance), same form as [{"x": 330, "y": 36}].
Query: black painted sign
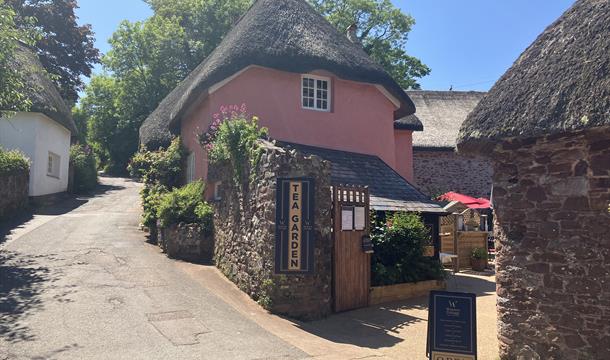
[
  {"x": 294, "y": 226},
  {"x": 452, "y": 326}
]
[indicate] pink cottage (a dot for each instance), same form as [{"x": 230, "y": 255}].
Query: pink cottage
[{"x": 308, "y": 84}]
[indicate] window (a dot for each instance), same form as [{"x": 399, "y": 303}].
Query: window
[
  {"x": 53, "y": 165},
  {"x": 217, "y": 186},
  {"x": 190, "y": 168},
  {"x": 315, "y": 93}
]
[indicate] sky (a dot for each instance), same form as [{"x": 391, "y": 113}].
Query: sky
[{"x": 468, "y": 44}]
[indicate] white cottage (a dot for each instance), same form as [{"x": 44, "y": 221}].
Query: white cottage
[{"x": 43, "y": 134}]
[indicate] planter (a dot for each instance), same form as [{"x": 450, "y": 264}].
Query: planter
[
  {"x": 398, "y": 292},
  {"x": 478, "y": 264},
  {"x": 186, "y": 242}
]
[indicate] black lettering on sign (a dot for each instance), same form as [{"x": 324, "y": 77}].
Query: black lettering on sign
[{"x": 294, "y": 246}]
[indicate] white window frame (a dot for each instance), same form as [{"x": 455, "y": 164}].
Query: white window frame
[
  {"x": 190, "y": 168},
  {"x": 217, "y": 186},
  {"x": 53, "y": 165},
  {"x": 315, "y": 92}
]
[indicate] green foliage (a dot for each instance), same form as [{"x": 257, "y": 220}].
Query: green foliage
[
  {"x": 399, "y": 251},
  {"x": 268, "y": 287},
  {"x": 85, "y": 168},
  {"x": 104, "y": 128},
  {"x": 12, "y": 87},
  {"x": 151, "y": 199},
  {"x": 186, "y": 205},
  {"x": 146, "y": 61},
  {"x": 383, "y": 30},
  {"x": 479, "y": 253},
  {"x": 161, "y": 171},
  {"x": 163, "y": 166},
  {"x": 13, "y": 161},
  {"x": 232, "y": 138},
  {"x": 66, "y": 49}
]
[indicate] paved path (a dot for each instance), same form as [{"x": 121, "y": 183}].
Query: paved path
[{"x": 81, "y": 283}]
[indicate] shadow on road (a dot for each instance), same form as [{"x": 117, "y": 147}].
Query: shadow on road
[
  {"x": 22, "y": 283},
  {"x": 374, "y": 327}
]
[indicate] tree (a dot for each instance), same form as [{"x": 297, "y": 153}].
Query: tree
[
  {"x": 12, "y": 87},
  {"x": 146, "y": 61},
  {"x": 99, "y": 106},
  {"x": 383, "y": 30},
  {"x": 66, "y": 49}
]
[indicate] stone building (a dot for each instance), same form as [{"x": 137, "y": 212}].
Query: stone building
[
  {"x": 437, "y": 167},
  {"x": 546, "y": 127}
]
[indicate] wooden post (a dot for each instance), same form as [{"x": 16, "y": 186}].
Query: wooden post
[{"x": 456, "y": 267}]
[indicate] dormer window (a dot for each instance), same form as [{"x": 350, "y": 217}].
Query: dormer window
[{"x": 315, "y": 93}]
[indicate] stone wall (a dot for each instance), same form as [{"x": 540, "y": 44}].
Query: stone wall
[
  {"x": 186, "y": 242},
  {"x": 13, "y": 193},
  {"x": 552, "y": 199},
  {"x": 245, "y": 235},
  {"x": 440, "y": 171}
]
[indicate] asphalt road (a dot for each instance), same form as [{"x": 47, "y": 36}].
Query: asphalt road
[{"x": 80, "y": 282}]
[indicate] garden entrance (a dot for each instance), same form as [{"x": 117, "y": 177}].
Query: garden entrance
[{"x": 352, "y": 250}]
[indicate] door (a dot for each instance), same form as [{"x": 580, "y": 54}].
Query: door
[{"x": 351, "y": 264}]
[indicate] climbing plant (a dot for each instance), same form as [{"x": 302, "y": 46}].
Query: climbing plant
[{"x": 232, "y": 138}]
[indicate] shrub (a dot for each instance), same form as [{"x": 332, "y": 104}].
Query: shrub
[
  {"x": 399, "y": 251},
  {"x": 161, "y": 171},
  {"x": 12, "y": 161},
  {"x": 85, "y": 168},
  {"x": 151, "y": 199},
  {"x": 479, "y": 253},
  {"x": 163, "y": 166},
  {"x": 185, "y": 205},
  {"x": 232, "y": 139}
]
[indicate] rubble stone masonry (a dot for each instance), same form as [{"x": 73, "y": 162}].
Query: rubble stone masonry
[
  {"x": 552, "y": 199},
  {"x": 13, "y": 193},
  {"x": 244, "y": 225},
  {"x": 440, "y": 171}
]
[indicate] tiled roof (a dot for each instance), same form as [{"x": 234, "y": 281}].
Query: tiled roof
[{"x": 388, "y": 190}]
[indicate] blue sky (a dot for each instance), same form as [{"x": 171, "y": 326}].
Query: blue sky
[{"x": 468, "y": 43}]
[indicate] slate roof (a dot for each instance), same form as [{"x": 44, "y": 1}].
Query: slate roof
[
  {"x": 287, "y": 35},
  {"x": 561, "y": 83},
  {"x": 442, "y": 114},
  {"x": 40, "y": 89},
  {"x": 388, "y": 190}
]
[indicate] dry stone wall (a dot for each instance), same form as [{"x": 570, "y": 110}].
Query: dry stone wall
[
  {"x": 13, "y": 193},
  {"x": 552, "y": 199},
  {"x": 244, "y": 225},
  {"x": 440, "y": 171},
  {"x": 186, "y": 242}
]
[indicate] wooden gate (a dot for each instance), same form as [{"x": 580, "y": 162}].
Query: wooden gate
[{"x": 351, "y": 264}]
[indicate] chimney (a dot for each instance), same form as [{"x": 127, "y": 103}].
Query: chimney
[{"x": 352, "y": 34}]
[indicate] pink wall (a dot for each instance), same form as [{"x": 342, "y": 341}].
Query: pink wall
[
  {"x": 361, "y": 118},
  {"x": 403, "y": 149}
]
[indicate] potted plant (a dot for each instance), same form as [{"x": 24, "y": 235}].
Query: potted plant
[{"x": 478, "y": 259}]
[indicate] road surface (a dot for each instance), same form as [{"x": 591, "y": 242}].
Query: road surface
[{"x": 80, "y": 282}]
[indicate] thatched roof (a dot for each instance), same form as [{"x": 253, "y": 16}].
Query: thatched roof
[
  {"x": 561, "y": 83},
  {"x": 287, "y": 35},
  {"x": 40, "y": 89},
  {"x": 442, "y": 114}
]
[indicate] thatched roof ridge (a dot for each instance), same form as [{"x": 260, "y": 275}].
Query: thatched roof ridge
[
  {"x": 561, "y": 83},
  {"x": 442, "y": 114},
  {"x": 41, "y": 91},
  {"x": 287, "y": 35}
]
